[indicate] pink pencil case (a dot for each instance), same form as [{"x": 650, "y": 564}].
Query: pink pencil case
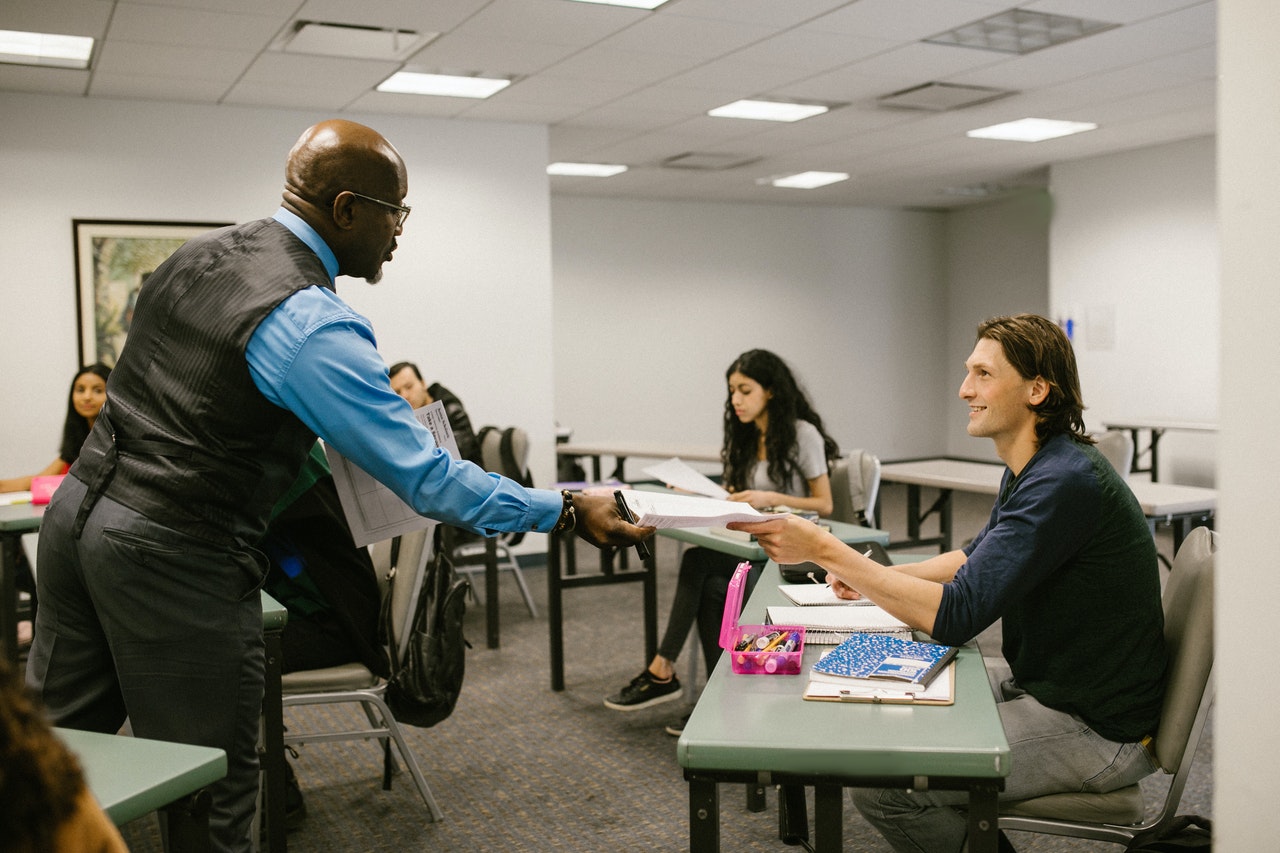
[
  {"x": 758, "y": 649},
  {"x": 42, "y": 488}
]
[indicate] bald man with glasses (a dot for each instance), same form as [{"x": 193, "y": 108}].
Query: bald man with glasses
[{"x": 240, "y": 354}]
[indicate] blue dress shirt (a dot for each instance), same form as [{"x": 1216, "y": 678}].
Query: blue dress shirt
[{"x": 317, "y": 358}]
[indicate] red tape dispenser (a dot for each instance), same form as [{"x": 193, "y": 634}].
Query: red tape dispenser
[{"x": 758, "y": 649}]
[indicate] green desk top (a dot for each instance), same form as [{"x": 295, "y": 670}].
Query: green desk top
[
  {"x": 20, "y": 518},
  {"x": 761, "y": 723},
  {"x": 748, "y": 550},
  {"x": 274, "y": 614},
  {"x": 131, "y": 777}
]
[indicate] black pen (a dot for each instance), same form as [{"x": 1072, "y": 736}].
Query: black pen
[{"x": 627, "y": 515}]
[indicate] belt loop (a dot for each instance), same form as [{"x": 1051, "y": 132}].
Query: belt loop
[{"x": 101, "y": 475}]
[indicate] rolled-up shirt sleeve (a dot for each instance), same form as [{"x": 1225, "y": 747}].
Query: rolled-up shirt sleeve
[{"x": 316, "y": 357}]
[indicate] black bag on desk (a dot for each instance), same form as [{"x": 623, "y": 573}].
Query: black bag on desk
[{"x": 425, "y": 683}]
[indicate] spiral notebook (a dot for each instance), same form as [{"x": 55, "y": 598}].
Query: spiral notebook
[{"x": 832, "y": 624}]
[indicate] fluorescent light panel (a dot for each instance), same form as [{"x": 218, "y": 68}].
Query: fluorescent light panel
[
  {"x": 768, "y": 110},
  {"x": 48, "y": 49},
  {"x": 586, "y": 170},
  {"x": 633, "y": 4},
  {"x": 1032, "y": 129},
  {"x": 809, "y": 180},
  {"x": 448, "y": 85}
]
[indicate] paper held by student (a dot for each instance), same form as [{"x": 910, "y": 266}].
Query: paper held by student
[
  {"x": 677, "y": 474},
  {"x": 670, "y": 510},
  {"x": 373, "y": 511}
]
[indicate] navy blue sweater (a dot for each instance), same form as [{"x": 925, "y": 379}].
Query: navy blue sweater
[{"x": 1067, "y": 560}]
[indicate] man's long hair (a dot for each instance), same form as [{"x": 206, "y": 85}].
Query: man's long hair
[{"x": 1037, "y": 346}]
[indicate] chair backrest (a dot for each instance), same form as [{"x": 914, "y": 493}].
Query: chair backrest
[
  {"x": 1188, "y": 632},
  {"x": 506, "y": 452},
  {"x": 1117, "y": 446},
  {"x": 413, "y": 552},
  {"x": 855, "y": 483}
]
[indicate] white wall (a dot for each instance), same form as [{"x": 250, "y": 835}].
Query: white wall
[
  {"x": 1246, "y": 740},
  {"x": 997, "y": 263},
  {"x": 1134, "y": 262},
  {"x": 653, "y": 300},
  {"x": 468, "y": 295}
]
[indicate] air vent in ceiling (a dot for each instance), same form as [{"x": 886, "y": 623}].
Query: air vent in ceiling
[
  {"x": 1020, "y": 31},
  {"x": 941, "y": 97},
  {"x": 352, "y": 41},
  {"x": 707, "y": 162}
]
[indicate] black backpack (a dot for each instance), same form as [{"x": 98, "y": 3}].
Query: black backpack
[{"x": 425, "y": 683}]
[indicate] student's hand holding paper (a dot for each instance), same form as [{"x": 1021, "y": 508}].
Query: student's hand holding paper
[
  {"x": 758, "y": 499},
  {"x": 600, "y": 523}
]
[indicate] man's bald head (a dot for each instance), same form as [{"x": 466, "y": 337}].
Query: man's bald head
[
  {"x": 331, "y": 165},
  {"x": 338, "y": 155}
]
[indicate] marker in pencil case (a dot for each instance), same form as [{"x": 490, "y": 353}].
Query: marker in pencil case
[{"x": 642, "y": 547}]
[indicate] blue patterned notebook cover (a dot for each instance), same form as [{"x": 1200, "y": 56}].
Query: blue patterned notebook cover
[{"x": 880, "y": 656}]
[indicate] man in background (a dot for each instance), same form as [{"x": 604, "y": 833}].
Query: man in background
[{"x": 407, "y": 381}]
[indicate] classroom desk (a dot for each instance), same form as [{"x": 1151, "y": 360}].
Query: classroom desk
[
  {"x": 1181, "y": 507},
  {"x": 132, "y": 777},
  {"x": 757, "y": 729},
  {"x": 559, "y": 580},
  {"x": 622, "y": 450},
  {"x": 15, "y": 521},
  {"x": 271, "y": 752},
  {"x": 1156, "y": 427}
]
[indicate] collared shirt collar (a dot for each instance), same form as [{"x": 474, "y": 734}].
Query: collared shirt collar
[{"x": 308, "y": 235}]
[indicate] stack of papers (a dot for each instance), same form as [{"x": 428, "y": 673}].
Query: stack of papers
[
  {"x": 828, "y": 623},
  {"x": 670, "y": 510}
]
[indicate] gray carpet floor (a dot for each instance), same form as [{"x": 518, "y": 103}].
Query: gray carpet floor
[{"x": 519, "y": 767}]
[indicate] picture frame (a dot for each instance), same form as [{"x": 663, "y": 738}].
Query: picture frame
[{"x": 113, "y": 257}]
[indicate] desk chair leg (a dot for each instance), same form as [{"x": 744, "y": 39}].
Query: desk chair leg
[
  {"x": 704, "y": 816},
  {"x": 828, "y": 818},
  {"x": 187, "y": 823},
  {"x": 793, "y": 815}
]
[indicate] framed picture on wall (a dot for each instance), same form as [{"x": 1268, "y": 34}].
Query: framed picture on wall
[{"x": 113, "y": 260}]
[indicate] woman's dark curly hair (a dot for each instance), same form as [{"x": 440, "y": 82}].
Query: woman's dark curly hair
[
  {"x": 788, "y": 404},
  {"x": 76, "y": 429},
  {"x": 39, "y": 777}
]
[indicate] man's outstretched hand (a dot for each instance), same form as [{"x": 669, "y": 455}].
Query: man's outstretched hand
[{"x": 600, "y": 523}]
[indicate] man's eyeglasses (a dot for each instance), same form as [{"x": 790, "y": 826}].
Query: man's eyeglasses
[{"x": 402, "y": 210}]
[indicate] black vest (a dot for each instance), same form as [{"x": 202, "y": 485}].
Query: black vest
[{"x": 186, "y": 438}]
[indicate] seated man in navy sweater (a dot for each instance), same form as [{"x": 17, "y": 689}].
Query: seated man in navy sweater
[{"x": 1066, "y": 560}]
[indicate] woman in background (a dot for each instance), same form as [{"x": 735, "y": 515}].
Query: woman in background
[
  {"x": 84, "y": 402},
  {"x": 776, "y": 453}
]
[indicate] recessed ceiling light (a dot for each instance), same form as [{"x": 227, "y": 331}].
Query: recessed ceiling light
[
  {"x": 586, "y": 170},
  {"x": 1032, "y": 129},
  {"x": 808, "y": 180},
  {"x": 48, "y": 49},
  {"x": 634, "y": 4},
  {"x": 1020, "y": 31},
  {"x": 448, "y": 85},
  {"x": 768, "y": 110}
]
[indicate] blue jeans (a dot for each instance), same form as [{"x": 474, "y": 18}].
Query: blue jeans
[
  {"x": 1050, "y": 752},
  {"x": 141, "y": 621}
]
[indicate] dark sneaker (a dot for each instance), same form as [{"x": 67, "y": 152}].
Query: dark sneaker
[
  {"x": 644, "y": 691},
  {"x": 677, "y": 729}
]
